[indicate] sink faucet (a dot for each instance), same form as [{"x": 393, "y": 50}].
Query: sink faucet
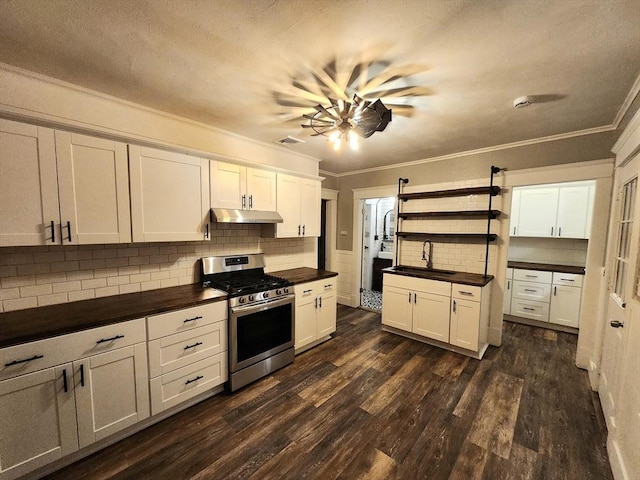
[{"x": 428, "y": 256}]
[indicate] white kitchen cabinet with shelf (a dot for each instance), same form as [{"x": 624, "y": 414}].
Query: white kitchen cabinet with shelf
[
  {"x": 187, "y": 353},
  {"x": 169, "y": 196},
  {"x": 470, "y": 317},
  {"x": 61, "y": 188},
  {"x": 552, "y": 211},
  {"x": 243, "y": 188},
  {"x": 315, "y": 312},
  {"x": 70, "y": 391},
  {"x": 298, "y": 202}
]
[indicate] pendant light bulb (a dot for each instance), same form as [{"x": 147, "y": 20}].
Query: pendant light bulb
[{"x": 353, "y": 141}]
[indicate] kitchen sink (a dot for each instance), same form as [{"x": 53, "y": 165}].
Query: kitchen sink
[{"x": 424, "y": 271}]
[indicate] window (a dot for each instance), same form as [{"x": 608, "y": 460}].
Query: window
[{"x": 625, "y": 225}]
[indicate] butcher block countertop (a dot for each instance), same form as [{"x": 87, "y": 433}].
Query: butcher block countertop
[
  {"x": 464, "y": 278},
  {"x": 546, "y": 267},
  {"x": 304, "y": 274}
]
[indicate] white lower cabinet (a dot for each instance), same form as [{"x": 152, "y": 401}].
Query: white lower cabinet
[
  {"x": 187, "y": 353},
  {"x": 315, "y": 312},
  {"x": 88, "y": 385},
  {"x": 552, "y": 297},
  {"x": 447, "y": 312},
  {"x": 508, "y": 288}
]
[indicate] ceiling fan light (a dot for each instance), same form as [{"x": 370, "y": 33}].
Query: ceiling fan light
[{"x": 353, "y": 141}]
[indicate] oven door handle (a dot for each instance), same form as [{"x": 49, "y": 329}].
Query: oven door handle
[{"x": 247, "y": 309}]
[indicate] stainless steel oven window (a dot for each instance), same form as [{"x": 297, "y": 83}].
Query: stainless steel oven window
[{"x": 260, "y": 331}]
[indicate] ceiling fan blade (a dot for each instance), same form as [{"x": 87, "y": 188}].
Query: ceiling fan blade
[
  {"x": 317, "y": 119},
  {"x": 326, "y": 112},
  {"x": 317, "y": 134}
]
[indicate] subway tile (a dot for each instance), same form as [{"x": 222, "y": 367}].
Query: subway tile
[
  {"x": 150, "y": 285},
  {"x": 68, "y": 266},
  {"x": 78, "y": 255},
  {"x": 20, "y": 304},
  {"x": 52, "y": 299},
  {"x": 94, "y": 283},
  {"x": 67, "y": 286},
  {"x": 51, "y": 278},
  {"x": 139, "y": 260},
  {"x": 12, "y": 282},
  {"x": 35, "y": 290},
  {"x": 129, "y": 288},
  {"x": 107, "y": 291},
  {"x": 48, "y": 257},
  {"x": 120, "y": 280},
  {"x": 170, "y": 282},
  {"x": 9, "y": 293},
  {"x": 140, "y": 277},
  {"x": 81, "y": 295},
  {"x": 80, "y": 275},
  {"x": 116, "y": 262},
  {"x": 16, "y": 259},
  {"x": 106, "y": 253},
  {"x": 105, "y": 272},
  {"x": 8, "y": 271},
  {"x": 92, "y": 264},
  {"x": 130, "y": 270}
]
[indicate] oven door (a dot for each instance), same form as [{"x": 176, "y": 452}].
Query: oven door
[{"x": 260, "y": 331}]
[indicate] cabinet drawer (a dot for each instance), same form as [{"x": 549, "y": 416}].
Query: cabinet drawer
[
  {"x": 181, "y": 349},
  {"x": 33, "y": 356},
  {"x": 569, "y": 279},
  {"x": 175, "y": 387},
  {"x": 532, "y": 276},
  {"x": 417, "y": 284},
  {"x": 531, "y": 291},
  {"x": 468, "y": 292},
  {"x": 185, "y": 319},
  {"x": 318, "y": 287},
  {"x": 530, "y": 309}
]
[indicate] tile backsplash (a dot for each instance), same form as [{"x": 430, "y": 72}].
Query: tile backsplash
[{"x": 46, "y": 275}]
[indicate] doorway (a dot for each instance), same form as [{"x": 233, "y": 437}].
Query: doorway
[
  {"x": 378, "y": 234},
  {"x": 322, "y": 239}
]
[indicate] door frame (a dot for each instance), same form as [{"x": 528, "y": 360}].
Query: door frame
[{"x": 331, "y": 196}]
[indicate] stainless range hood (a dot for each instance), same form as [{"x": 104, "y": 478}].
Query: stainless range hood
[{"x": 226, "y": 215}]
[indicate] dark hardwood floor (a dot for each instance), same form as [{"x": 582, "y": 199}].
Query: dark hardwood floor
[{"x": 372, "y": 405}]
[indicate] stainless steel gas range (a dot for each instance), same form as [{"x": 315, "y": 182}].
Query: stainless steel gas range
[{"x": 261, "y": 316}]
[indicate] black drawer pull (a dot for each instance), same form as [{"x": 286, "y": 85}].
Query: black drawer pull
[
  {"x": 25, "y": 360},
  {"x": 304, "y": 292},
  {"x": 530, "y": 290},
  {"x": 192, "y": 319},
  {"x": 531, "y": 276},
  {"x": 69, "y": 230},
  {"x": 529, "y": 309},
  {"x": 194, "y": 380},
  {"x": 192, "y": 346},
  {"x": 328, "y": 286},
  {"x": 64, "y": 380},
  {"x": 82, "y": 375},
  {"x": 465, "y": 293},
  {"x": 111, "y": 339},
  {"x": 567, "y": 280},
  {"x": 53, "y": 232}
]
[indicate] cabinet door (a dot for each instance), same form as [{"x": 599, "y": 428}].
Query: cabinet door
[
  {"x": 397, "y": 308},
  {"x": 431, "y": 316},
  {"x": 506, "y": 303},
  {"x": 573, "y": 212},
  {"x": 28, "y": 185},
  {"x": 306, "y": 320},
  {"x": 228, "y": 185},
  {"x": 310, "y": 207},
  {"x": 37, "y": 420},
  {"x": 514, "y": 216},
  {"x": 326, "y": 314},
  {"x": 261, "y": 190},
  {"x": 112, "y": 392},
  {"x": 538, "y": 209},
  {"x": 93, "y": 182},
  {"x": 288, "y": 194},
  {"x": 465, "y": 324},
  {"x": 169, "y": 195},
  {"x": 565, "y": 306}
]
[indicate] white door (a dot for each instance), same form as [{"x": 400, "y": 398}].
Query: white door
[
  {"x": 619, "y": 386},
  {"x": 112, "y": 392},
  {"x": 37, "y": 420},
  {"x": 28, "y": 186},
  {"x": 326, "y": 314},
  {"x": 538, "y": 208},
  {"x": 288, "y": 194},
  {"x": 397, "y": 308},
  {"x": 169, "y": 196},
  {"x": 465, "y": 324},
  {"x": 261, "y": 190},
  {"x": 306, "y": 319},
  {"x": 367, "y": 261},
  {"x": 565, "y": 306},
  {"x": 573, "y": 211},
  {"x": 228, "y": 185},
  {"x": 93, "y": 181},
  {"x": 431, "y": 316}
]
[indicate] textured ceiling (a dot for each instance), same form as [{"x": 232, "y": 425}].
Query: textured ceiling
[{"x": 449, "y": 69}]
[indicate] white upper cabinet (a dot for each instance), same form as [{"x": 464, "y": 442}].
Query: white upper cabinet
[
  {"x": 242, "y": 188},
  {"x": 552, "y": 211},
  {"x": 299, "y": 205},
  {"x": 93, "y": 182},
  {"x": 61, "y": 188},
  {"x": 169, "y": 196}
]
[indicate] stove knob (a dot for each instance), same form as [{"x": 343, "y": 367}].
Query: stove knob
[
  {"x": 278, "y": 291},
  {"x": 241, "y": 299},
  {"x": 252, "y": 298},
  {"x": 266, "y": 295},
  {"x": 286, "y": 290}
]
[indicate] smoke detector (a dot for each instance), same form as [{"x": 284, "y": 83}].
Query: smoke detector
[
  {"x": 289, "y": 140},
  {"x": 522, "y": 102}
]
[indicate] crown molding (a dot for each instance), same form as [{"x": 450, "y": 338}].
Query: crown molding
[
  {"x": 631, "y": 96},
  {"x": 505, "y": 146}
]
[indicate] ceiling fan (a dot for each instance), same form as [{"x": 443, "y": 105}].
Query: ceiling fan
[{"x": 344, "y": 121}]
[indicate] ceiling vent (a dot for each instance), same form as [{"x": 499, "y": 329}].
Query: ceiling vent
[{"x": 289, "y": 140}]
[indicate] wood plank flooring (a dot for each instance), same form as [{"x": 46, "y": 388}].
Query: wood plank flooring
[{"x": 372, "y": 405}]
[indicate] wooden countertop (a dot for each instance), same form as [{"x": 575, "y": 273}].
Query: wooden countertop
[
  {"x": 464, "y": 278},
  {"x": 546, "y": 267},
  {"x": 304, "y": 274},
  {"x": 32, "y": 324}
]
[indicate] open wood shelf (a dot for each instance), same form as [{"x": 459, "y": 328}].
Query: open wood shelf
[
  {"x": 484, "y": 214},
  {"x": 457, "y": 192},
  {"x": 449, "y": 237}
]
